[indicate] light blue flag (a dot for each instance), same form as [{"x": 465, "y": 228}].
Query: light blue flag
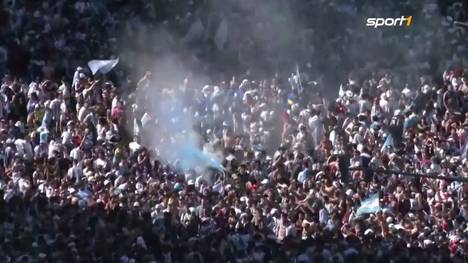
[
  {"x": 369, "y": 206},
  {"x": 410, "y": 123},
  {"x": 388, "y": 142}
]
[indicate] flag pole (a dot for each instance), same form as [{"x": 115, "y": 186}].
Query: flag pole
[{"x": 299, "y": 77}]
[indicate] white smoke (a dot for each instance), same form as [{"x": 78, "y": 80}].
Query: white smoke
[{"x": 167, "y": 125}]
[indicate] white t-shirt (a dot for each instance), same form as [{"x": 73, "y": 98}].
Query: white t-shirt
[
  {"x": 134, "y": 146},
  {"x": 101, "y": 132},
  {"x": 75, "y": 154},
  {"x": 82, "y": 113},
  {"x": 75, "y": 172},
  {"x": 55, "y": 107},
  {"x": 316, "y": 128},
  {"x": 24, "y": 148},
  {"x": 67, "y": 137},
  {"x": 115, "y": 103},
  {"x": 53, "y": 147}
]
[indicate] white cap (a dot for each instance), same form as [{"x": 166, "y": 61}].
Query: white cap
[
  {"x": 428, "y": 242},
  {"x": 273, "y": 211},
  {"x": 425, "y": 89},
  {"x": 406, "y": 91},
  {"x": 360, "y": 147}
]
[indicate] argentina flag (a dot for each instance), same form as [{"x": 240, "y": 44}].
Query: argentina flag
[{"x": 369, "y": 206}]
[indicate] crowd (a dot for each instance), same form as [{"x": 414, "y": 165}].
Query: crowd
[
  {"x": 82, "y": 178},
  {"x": 77, "y": 188},
  {"x": 48, "y": 39}
]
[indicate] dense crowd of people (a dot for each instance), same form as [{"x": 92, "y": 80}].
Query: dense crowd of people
[
  {"x": 49, "y": 39},
  {"x": 91, "y": 168},
  {"x": 77, "y": 188}
]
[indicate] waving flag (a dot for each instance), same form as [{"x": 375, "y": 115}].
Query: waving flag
[
  {"x": 369, "y": 206},
  {"x": 389, "y": 143},
  {"x": 301, "y": 89},
  {"x": 145, "y": 120},
  {"x": 103, "y": 66},
  {"x": 218, "y": 187}
]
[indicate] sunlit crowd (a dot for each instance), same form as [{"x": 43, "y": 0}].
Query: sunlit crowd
[{"x": 83, "y": 177}]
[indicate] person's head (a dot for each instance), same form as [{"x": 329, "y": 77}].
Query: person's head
[{"x": 34, "y": 96}]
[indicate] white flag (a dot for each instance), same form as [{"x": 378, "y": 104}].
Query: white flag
[
  {"x": 103, "y": 66},
  {"x": 218, "y": 187},
  {"x": 299, "y": 80},
  {"x": 145, "y": 119}
]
